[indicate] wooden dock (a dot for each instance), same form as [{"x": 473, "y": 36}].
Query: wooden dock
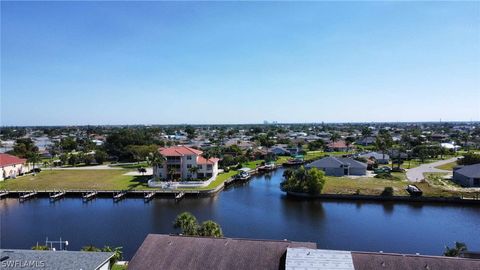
[
  {"x": 179, "y": 196},
  {"x": 89, "y": 196},
  {"x": 147, "y": 196},
  {"x": 26, "y": 196},
  {"x": 3, "y": 193},
  {"x": 57, "y": 195},
  {"x": 118, "y": 196}
]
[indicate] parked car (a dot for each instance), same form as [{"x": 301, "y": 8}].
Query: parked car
[{"x": 383, "y": 169}]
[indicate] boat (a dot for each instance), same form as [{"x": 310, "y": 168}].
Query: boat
[
  {"x": 413, "y": 190},
  {"x": 243, "y": 175},
  {"x": 270, "y": 166},
  {"x": 297, "y": 160}
]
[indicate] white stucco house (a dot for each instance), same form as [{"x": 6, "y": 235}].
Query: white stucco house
[
  {"x": 12, "y": 166},
  {"x": 179, "y": 161}
]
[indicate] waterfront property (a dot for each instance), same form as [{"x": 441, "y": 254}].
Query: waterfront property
[
  {"x": 12, "y": 166},
  {"x": 380, "y": 158},
  {"x": 183, "y": 252},
  {"x": 338, "y": 166},
  {"x": 243, "y": 210},
  {"x": 52, "y": 260},
  {"x": 182, "y": 162},
  {"x": 467, "y": 176}
]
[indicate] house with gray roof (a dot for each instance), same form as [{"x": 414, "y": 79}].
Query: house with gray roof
[
  {"x": 54, "y": 260},
  {"x": 173, "y": 252},
  {"x": 467, "y": 176},
  {"x": 339, "y": 166},
  {"x": 381, "y": 158}
]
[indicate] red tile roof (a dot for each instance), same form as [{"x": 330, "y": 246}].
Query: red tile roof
[
  {"x": 202, "y": 160},
  {"x": 179, "y": 151},
  {"x": 337, "y": 144},
  {"x": 7, "y": 160}
]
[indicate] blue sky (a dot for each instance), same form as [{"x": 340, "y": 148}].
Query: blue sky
[{"x": 238, "y": 62}]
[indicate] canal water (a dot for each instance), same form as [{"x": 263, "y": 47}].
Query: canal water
[{"x": 257, "y": 209}]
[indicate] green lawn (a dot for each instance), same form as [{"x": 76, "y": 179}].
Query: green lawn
[
  {"x": 365, "y": 185},
  {"x": 77, "y": 179},
  {"x": 448, "y": 166},
  {"x": 215, "y": 183},
  {"x": 253, "y": 164},
  {"x": 375, "y": 186}
]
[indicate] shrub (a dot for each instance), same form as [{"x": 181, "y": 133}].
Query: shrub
[
  {"x": 386, "y": 176},
  {"x": 304, "y": 181},
  {"x": 387, "y": 191}
]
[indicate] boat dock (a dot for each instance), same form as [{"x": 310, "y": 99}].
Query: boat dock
[
  {"x": 57, "y": 195},
  {"x": 179, "y": 196},
  {"x": 3, "y": 193},
  {"x": 147, "y": 196},
  {"x": 89, "y": 196},
  {"x": 118, "y": 196},
  {"x": 26, "y": 196}
]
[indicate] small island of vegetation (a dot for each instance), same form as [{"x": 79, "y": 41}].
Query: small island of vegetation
[{"x": 302, "y": 180}]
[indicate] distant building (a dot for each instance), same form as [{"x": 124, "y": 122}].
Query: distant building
[
  {"x": 17, "y": 259},
  {"x": 179, "y": 161},
  {"x": 12, "y": 166},
  {"x": 467, "y": 176},
  {"x": 173, "y": 252},
  {"x": 380, "y": 158},
  {"x": 337, "y": 146},
  {"x": 365, "y": 141},
  {"x": 337, "y": 166}
]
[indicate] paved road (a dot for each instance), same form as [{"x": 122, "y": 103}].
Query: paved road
[{"x": 416, "y": 174}]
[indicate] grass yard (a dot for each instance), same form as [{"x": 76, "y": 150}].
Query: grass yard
[
  {"x": 375, "y": 186},
  {"x": 253, "y": 164},
  {"x": 214, "y": 184},
  {"x": 77, "y": 179},
  {"x": 448, "y": 166},
  {"x": 365, "y": 185}
]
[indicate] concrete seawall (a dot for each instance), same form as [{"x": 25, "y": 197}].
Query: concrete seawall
[{"x": 351, "y": 197}]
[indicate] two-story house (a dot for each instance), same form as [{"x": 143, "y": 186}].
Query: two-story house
[{"x": 182, "y": 162}]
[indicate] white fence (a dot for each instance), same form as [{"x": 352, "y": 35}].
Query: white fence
[{"x": 184, "y": 184}]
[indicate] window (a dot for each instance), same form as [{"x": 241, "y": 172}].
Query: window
[
  {"x": 189, "y": 176},
  {"x": 189, "y": 157},
  {"x": 189, "y": 166},
  {"x": 209, "y": 167}
]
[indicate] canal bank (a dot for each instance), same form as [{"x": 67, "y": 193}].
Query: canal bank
[
  {"x": 255, "y": 209},
  {"x": 348, "y": 197}
]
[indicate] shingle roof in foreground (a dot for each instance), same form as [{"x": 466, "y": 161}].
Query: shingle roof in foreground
[
  {"x": 321, "y": 259},
  {"x": 52, "y": 260},
  {"x": 374, "y": 261},
  {"x": 472, "y": 171},
  {"x": 169, "y": 252}
]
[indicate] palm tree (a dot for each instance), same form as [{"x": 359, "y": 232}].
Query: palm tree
[
  {"x": 456, "y": 250},
  {"x": 187, "y": 223},
  {"x": 210, "y": 228},
  {"x": 155, "y": 160},
  {"x": 118, "y": 253},
  {"x": 193, "y": 170},
  {"x": 172, "y": 171},
  {"x": 33, "y": 157},
  {"x": 335, "y": 137}
]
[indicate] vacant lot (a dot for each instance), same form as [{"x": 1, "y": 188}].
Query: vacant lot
[
  {"x": 89, "y": 180},
  {"x": 77, "y": 179},
  {"x": 375, "y": 186}
]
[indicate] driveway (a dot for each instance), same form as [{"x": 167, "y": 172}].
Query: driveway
[{"x": 416, "y": 174}]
